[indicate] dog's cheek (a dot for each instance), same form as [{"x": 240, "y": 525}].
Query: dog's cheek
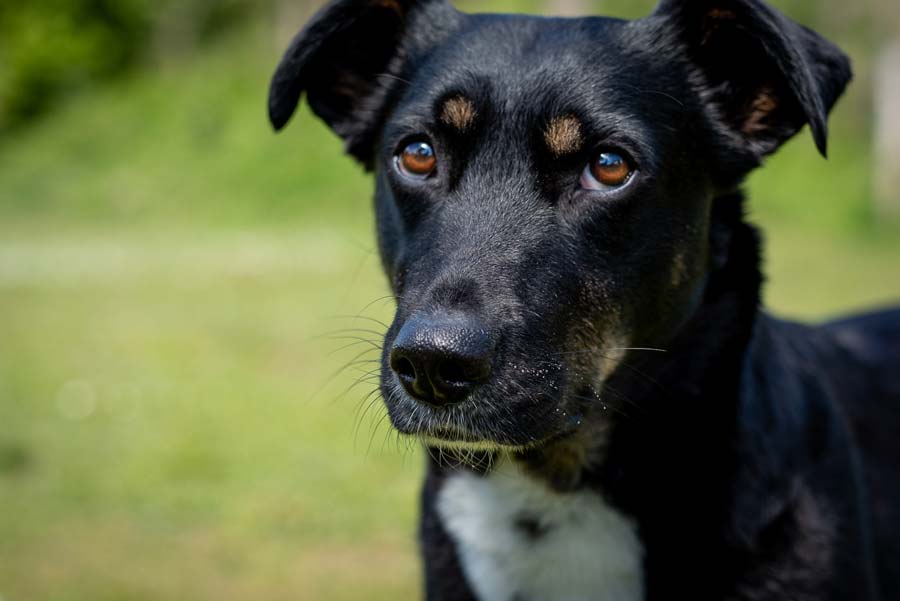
[
  {"x": 616, "y": 339},
  {"x": 659, "y": 283},
  {"x": 390, "y": 233},
  {"x": 689, "y": 272},
  {"x": 677, "y": 292},
  {"x": 596, "y": 334}
]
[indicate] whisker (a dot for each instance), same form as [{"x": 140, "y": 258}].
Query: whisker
[
  {"x": 368, "y": 402},
  {"x": 642, "y": 374},
  {"x": 357, "y": 360},
  {"x": 365, "y": 379},
  {"x": 374, "y": 343},
  {"x": 377, "y": 333},
  {"x": 375, "y": 431},
  {"x": 611, "y": 348},
  {"x": 622, "y": 397},
  {"x": 611, "y": 406},
  {"x": 395, "y": 77},
  {"x": 657, "y": 93},
  {"x": 366, "y": 317},
  {"x": 384, "y": 298},
  {"x": 350, "y": 345}
]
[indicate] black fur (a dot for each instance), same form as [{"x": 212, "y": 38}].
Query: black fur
[{"x": 758, "y": 457}]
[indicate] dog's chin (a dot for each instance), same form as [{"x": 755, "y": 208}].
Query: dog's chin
[
  {"x": 483, "y": 445},
  {"x": 469, "y": 443},
  {"x": 460, "y": 438}
]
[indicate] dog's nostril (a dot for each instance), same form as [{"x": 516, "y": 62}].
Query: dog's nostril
[
  {"x": 451, "y": 372},
  {"x": 404, "y": 368}
]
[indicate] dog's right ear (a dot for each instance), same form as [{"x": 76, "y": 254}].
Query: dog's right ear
[{"x": 348, "y": 59}]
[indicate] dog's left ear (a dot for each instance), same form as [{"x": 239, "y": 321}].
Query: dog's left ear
[
  {"x": 349, "y": 58},
  {"x": 765, "y": 75}
]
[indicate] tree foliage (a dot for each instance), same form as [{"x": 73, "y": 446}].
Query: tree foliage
[{"x": 50, "y": 48}]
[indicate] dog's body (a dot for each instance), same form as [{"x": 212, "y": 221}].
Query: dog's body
[
  {"x": 558, "y": 203},
  {"x": 797, "y": 499}
]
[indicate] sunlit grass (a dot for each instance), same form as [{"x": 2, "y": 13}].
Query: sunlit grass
[{"x": 158, "y": 396}]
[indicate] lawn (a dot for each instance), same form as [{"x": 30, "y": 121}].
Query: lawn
[
  {"x": 162, "y": 437},
  {"x": 178, "y": 289}
]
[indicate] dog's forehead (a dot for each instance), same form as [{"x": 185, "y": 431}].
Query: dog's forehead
[
  {"x": 518, "y": 40},
  {"x": 519, "y": 53},
  {"x": 534, "y": 69}
]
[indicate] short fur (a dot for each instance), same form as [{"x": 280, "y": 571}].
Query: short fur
[
  {"x": 563, "y": 135},
  {"x": 458, "y": 112},
  {"x": 754, "y": 459}
]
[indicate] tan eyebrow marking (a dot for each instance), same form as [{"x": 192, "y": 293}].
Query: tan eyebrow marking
[
  {"x": 563, "y": 135},
  {"x": 459, "y": 113}
]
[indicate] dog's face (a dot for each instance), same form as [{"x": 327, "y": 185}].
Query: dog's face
[
  {"x": 529, "y": 201},
  {"x": 544, "y": 186}
]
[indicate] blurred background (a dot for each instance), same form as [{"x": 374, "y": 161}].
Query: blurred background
[{"x": 180, "y": 288}]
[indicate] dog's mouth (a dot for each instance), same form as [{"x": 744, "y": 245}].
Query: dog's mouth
[
  {"x": 454, "y": 441},
  {"x": 485, "y": 423},
  {"x": 526, "y": 396},
  {"x": 462, "y": 441}
]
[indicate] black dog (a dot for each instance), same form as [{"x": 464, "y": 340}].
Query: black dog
[{"x": 556, "y": 199}]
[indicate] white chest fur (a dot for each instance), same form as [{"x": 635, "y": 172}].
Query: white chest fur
[{"x": 519, "y": 541}]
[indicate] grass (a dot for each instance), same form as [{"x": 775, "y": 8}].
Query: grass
[
  {"x": 169, "y": 274},
  {"x": 159, "y": 413}
]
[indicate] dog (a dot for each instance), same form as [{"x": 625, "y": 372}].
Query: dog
[{"x": 578, "y": 340}]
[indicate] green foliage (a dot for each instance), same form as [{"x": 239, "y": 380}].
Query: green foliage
[{"x": 50, "y": 48}]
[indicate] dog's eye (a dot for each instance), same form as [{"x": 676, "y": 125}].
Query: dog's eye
[
  {"x": 417, "y": 160},
  {"x": 608, "y": 170}
]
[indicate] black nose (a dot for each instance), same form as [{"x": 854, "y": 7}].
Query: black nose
[{"x": 440, "y": 359}]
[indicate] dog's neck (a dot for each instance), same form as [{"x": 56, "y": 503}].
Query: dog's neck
[
  {"x": 675, "y": 405},
  {"x": 681, "y": 401},
  {"x": 707, "y": 354}
]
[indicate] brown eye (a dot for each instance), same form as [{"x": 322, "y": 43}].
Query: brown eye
[
  {"x": 608, "y": 170},
  {"x": 417, "y": 160}
]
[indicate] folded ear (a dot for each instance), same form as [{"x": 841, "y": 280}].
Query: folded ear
[
  {"x": 765, "y": 75},
  {"x": 348, "y": 58}
]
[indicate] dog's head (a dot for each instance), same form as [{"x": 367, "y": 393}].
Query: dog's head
[{"x": 544, "y": 187}]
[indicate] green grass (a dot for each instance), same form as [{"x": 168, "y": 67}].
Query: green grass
[
  {"x": 169, "y": 274},
  {"x": 161, "y": 430}
]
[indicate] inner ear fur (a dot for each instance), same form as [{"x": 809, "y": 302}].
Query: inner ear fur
[
  {"x": 349, "y": 59},
  {"x": 765, "y": 75}
]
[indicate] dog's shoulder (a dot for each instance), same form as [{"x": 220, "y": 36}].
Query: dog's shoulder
[
  {"x": 817, "y": 407},
  {"x": 846, "y": 367},
  {"x": 870, "y": 397},
  {"x": 873, "y": 340}
]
